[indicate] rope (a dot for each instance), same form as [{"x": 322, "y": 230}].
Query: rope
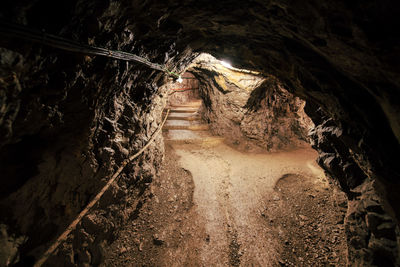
[
  {"x": 72, "y": 226},
  {"x": 12, "y": 30}
]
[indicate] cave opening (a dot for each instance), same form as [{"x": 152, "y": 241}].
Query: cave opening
[
  {"x": 83, "y": 87},
  {"x": 243, "y": 140}
]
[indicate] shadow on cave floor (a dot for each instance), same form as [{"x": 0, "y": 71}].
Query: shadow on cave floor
[{"x": 215, "y": 206}]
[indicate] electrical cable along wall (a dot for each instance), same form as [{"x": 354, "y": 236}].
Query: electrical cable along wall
[{"x": 14, "y": 31}]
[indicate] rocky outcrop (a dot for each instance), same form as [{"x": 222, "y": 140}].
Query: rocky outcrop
[
  {"x": 372, "y": 234},
  {"x": 251, "y": 111}
]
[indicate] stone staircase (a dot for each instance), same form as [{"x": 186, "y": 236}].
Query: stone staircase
[{"x": 184, "y": 125}]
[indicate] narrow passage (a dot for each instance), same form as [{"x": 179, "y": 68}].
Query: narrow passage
[{"x": 215, "y": 206}]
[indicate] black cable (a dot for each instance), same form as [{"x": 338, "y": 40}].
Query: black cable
[{"x": 12, "y": 30}]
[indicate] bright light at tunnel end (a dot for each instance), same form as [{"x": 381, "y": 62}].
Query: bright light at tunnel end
[{"x": 226, "y": 64}]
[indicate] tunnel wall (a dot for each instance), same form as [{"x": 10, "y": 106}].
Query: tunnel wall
[
  {"x": 341, "y": 58},
  {"x": 60, "y": 109},
  {"x": 252, "y": 112},
  {"x": 68, "y": 121},
  {"x": 188, "y": 90}
]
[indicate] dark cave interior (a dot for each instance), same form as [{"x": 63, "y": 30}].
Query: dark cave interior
[{"x": 69, "y": 120}]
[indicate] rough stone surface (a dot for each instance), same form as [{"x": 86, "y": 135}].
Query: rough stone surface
[
  {"x": 67, "y": 120},
  {"x": 372, "y": 235},
  {"x": 253, "y": 112},
  {"x": 183, "y": 92},
  {"x": 67, "y": 123}
]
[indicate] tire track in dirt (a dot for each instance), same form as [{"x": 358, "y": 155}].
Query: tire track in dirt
[
  {"x": 225, "y": 204},
  {"x": 215, "y": 206},
  {"x": 229, "y": 189}
]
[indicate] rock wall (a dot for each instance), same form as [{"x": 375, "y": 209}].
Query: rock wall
[
  {"x": 252, "y": 112},
  {"x": 372, "y": 235},
  {"x": 187, "y": 90},
  {"x": 339, "y": 57},
  {"x": 68, "y": 121}
]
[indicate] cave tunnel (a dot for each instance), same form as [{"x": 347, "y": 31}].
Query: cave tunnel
[{"x": 145, "y": 133}]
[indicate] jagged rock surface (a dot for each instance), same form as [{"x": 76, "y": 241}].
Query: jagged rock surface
[
  {"x": 251, "y": 111},
  {"x": 372, "y": 234},
  {"x": 67, "y": 123}
]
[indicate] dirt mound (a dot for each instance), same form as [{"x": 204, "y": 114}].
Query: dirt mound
[
  {"x": 214, "y": 206},
  {"x": 306, "y": 216},
  {"x": 166, "y": 228}
]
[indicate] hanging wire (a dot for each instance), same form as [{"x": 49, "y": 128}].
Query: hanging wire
[{"x": 12, "y": 30}]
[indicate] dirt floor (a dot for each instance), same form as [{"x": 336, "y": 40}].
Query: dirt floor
[{"x": 215, "y": 206}]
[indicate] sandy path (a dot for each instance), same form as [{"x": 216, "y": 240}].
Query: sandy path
[
  {"x": 229, "y": 191},
  {"x": 213, "y": 205}
]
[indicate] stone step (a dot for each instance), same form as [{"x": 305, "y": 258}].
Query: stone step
[
  {"x": 193, "y": 104},
  {"x": 198, "y": 127},
  {"x": 188, "y": 136},
  {"x": 183, "y": 107},
  {"x": 182, "y": 114},
  {"x": 187, "y": 118},
  {"x": 182, "y": 122},
  {"x": 183, "y": 135},
  {"x": 183, "y": 110},
  {"x": 200, "y": 141}
]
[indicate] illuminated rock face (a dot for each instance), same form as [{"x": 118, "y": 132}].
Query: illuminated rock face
[
  {"x": 67, "y": 121},
  {"x": 186, "y": 91},
  {"x": 252, "y": 111}
]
